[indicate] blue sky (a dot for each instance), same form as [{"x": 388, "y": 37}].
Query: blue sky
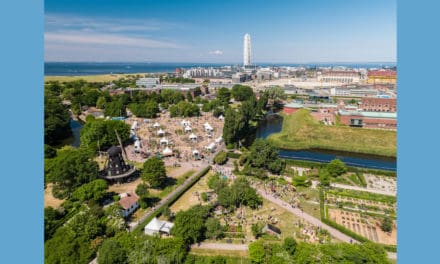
[{"x": 212, "y": 31}]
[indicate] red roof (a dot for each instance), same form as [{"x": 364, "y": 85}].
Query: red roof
[
  {"x": 129, "y": 200},
  {"x": 382, "y": 73}
]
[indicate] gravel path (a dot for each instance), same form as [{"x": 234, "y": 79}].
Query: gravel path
[{"x": 356, "y": 188}]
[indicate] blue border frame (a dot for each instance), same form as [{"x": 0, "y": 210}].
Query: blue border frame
[{"x": 21, "y": 53}]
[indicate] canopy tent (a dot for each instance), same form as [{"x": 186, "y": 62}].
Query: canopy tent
[
  {"x": 219, "y": 139},
  {"x": 167, "y": 152},
  {"x": 156, "y": 125},
  {"x": 185, "y": 123},
  {"x": 188, "y": 129},
  {"x": 134, "y": 125},
  {"x": 137, "y": 145},
  {"x": 192, "y": 136},
  {"x": 195, "y": 152},
  {"x": 164, "y": 141},
  {"x": 208, "y": 128},
  {"x": 160, "y": 132},
  {"x": 157, "y": 226},
  {"x": 221, "y": 117},
  {"x": 210, "y": 147}
]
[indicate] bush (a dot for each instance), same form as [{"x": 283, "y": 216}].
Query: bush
[
  {"x": 336, "y": 168},
  {"x": 221, "y": 158},
  {"x": 387, "y": 224},
  {"x": 204, "y": 197}
]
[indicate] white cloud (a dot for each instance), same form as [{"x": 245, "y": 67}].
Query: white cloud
[
  {"x": 216, "y": 52},
  {"x": 90, "y": 38}
]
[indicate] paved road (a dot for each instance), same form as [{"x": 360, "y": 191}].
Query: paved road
[{"x": 356, "y": 188}]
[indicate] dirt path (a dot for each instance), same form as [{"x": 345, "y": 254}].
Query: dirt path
[{"x": 221, "y": 246}]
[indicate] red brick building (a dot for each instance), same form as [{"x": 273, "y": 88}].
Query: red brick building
[
  {"x": 292, "y": 108},
  {"x": 379, "y": 104},
  {"x": 381, "y": 120}
]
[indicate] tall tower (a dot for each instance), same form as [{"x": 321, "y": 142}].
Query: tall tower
[{"x": 247, "y": 50}]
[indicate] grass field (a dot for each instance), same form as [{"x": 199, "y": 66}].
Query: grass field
[
  {"x": 301, "y": 131},
  {"x": 89, "y": 78}
]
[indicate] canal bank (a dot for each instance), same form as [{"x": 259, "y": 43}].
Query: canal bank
[{"x": 273, "y": 124}]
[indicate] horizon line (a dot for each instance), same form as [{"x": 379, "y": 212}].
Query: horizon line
[{"x": 239, "y": 63}]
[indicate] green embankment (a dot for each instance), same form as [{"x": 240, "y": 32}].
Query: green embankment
[{"x": 301, "y": 131}]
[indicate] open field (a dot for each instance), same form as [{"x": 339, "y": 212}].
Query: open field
[
  {"x": 301, "y": 131},
  {"x": 49, "y": 200},
  {"x": 89, "y": 78},
  {"x": 189, "y": 198}
]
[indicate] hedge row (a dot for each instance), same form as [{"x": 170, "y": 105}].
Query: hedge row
[
  {"x": 141, "y": 226},
  {"x": 314, "y": 164},
  {"x": 233, "y": 155}
]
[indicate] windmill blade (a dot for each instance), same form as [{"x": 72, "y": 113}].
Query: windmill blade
[{"x": 122, "y": 147}]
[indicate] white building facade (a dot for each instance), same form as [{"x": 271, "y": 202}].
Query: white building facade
[{"x": 247, "y": 50}]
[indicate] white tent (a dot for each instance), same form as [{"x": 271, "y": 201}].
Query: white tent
[
  {"x": 221, "y": 117},
  {"x": 137, "y": 145},
  {"x": 195, "y": 152},
  {"x": 160, "y": 132},
  {"x": 156, "y": 125},
  {"x": 185, "y": 123},
  {"x": 218, "y": 140},
  {"x": 164, "y": 141},
  {"x": 134, "y": 125},
  {"x": 188, "y": 129},
  {"x": 210, "y": 147},
  {"x": 167, "y": 152},
  {"x": 156, "y": 226},
  {"x": 208, "y": 128},
  {"x": 192, "y": 136}
]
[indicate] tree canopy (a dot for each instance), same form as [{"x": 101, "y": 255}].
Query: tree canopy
[
  {"x": 241, "y": 92},
  {"x": 190, "y": 225},
  {"x": 70, "y": 169},
  {"x": 92, "y": 191},
  {"x": 264, "y": 155},
  {"x": 154, "y": 172},
  {"x": 101, "y": 133},
  {"x": 56, "y": 120},
  {"x": 336, "y": 168}
]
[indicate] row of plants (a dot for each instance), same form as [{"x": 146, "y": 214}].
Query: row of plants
[
  {"x": 319, "y": 165},
  {"x": 363, "y": 195},
  {"x": 343, "y": 229}
]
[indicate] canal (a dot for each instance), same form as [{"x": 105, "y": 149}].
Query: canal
[
  {"x": 76, "y": 127},
  {"x": 273, "y": 124}
]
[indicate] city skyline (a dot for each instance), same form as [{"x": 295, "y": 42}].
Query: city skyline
[{"x": 301, "y": 32}]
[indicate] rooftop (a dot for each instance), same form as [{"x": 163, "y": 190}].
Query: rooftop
[
  {"x": 127, "y": 200},
  {"x": 293, "y": 105},
  {"x": 388, "y": 115}
]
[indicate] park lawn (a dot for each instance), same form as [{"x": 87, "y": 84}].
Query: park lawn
[
  {"x": 301, "y": 131},
  {"x": 89, "y": 78}
]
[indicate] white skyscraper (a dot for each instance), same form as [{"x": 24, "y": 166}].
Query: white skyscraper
[{"x": 247, "y": 50}]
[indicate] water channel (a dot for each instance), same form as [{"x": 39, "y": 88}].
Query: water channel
[{"x": 273, "y": 124}]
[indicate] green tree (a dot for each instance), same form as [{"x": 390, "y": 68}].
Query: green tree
[
  {"x": 92, "y": 191},
  {"x": 101, "y": 133},
  {"x": 213, "y": 228},
  {"x": 221, "y": 158},
  {"x": 324, "y": 178},
  {"x": 154, "y": 172},
  {"x": 70, "y": 169},
  {"x": 386, "y": 224},
  {"x": 49, "y": 151},
  {"x": 113, "y": 109},
  {"x": 56, "y": 120},
  {"x": 101, "y": 102},
  {"x": 336, "y": 168},
  {"x": 290, "y": 245},
  {"x": 52, "y": 220},
  {"x": 241, "y": 92},
  {"x": 216, "y": 183},
  {"x": 264, "y": 155},
  {"x": 257, "y": 252},
  {"x": 190, "y": 225},
  {"x": 111, "y": 252},
  {"x": 224, "y": 95},
  {"x": 257, "y": 229}
]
